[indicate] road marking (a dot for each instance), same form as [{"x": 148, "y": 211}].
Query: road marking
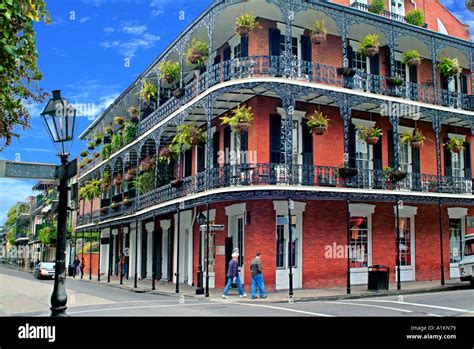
[
  {"x": 420, "y": 305},
  {"x": 285, "y": 309},
  {"x": 374, "y": 306}
]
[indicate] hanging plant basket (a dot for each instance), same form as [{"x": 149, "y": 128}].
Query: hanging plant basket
[
  {"x": 130, "y": 174},
  {"x": 243, "y": 31},
  {"x": 318, "y": 38},
  {"x": 96, "y": 154},
  {"x": 416, "y": 145},
  {"x": 414, "y": 62},
  {"x": 346, "y": 72},
  {"x": 115, "y": 205},
  {"x": 372, "y": 140},
  {"x": 127, "y": 202},
  {"x": 104, "y": 209},
  {"x": 195, "y": 57},
  {"x": 91, "y": 145},
  {"x": 319, "y": 131},
  {"x": 118, "y": 181},
  {"x": 347, "y": 172},
  {"x": 371, "y": 51},
  {"x": 146, "y": 165},
  {"x": 243, "y": 127},
  {"x": 134, "y": 118}
]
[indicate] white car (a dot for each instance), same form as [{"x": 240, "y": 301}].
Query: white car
[{"x": 466, "y": 266}]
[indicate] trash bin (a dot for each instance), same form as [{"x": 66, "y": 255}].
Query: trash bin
[
  {"x": 378, "y": 277},
  {"x": 70, "y": 270}
]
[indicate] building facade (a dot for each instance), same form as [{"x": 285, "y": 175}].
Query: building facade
[{"x": 276, "y": 187}]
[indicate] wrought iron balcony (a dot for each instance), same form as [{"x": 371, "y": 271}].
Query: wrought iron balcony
[
  {"x": 306, "y": 176},
  {"x": 395, "y": 16}
]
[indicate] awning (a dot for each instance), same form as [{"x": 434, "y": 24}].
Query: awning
[{"x": 46, "y": 209}]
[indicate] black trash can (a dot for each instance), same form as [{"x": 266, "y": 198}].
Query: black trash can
[
  {"x": 378, "y": 277},
  {"x": 70, "y": 271}
]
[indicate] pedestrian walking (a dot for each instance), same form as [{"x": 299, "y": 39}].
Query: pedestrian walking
[
  {"x": 75, "y": 266},
  {"x": 233, "y": 276},
  {"x": 257, "y": 277},
  {"x": 123, "y": 265},
  {"x": 83, "y": 265}
]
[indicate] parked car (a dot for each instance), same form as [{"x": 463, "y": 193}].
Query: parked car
[
  {"x": 45, "y": 270},
  {"x": 466, "y": 266}
]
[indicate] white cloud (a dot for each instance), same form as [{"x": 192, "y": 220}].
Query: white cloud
[
  {"x": 109, "y": 30},
  {"x": 84, "y": 20},
  {"x": 135, "y": 36}
]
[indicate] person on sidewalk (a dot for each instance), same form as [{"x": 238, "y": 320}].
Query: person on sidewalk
[
  {"x": 257, "y": 277},
  {"x": 233, "y": 276},
  {"x": 83, "y": 265},
  {"x": 75, "y": 265},
  {"x": 123, "y": 265}
]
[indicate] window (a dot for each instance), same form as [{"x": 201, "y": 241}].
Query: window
[
  {"x": 238, "y": 51},
  {"x": 363, "y": 157},
  {"x": 282, "y": 238},
  {"x": 455, "y": 240},
  {"x": 405, "y": 157},
  {"x": 457, "y": 161},
  {"x": 405, "y": 242},
  {"x": 401, "y": 70},
  {"x": 359, "y": 243},
  {"x": 359, "y": 61},
  {"x": 294, "y": 42},
  {"x": 469, "y": 248},
  {"x": 398, "y": 7}
]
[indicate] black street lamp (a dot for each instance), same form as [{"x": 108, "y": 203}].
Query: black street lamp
[
  {"x": 200, "y": 220},
  {"x": 59, "y": 118}
]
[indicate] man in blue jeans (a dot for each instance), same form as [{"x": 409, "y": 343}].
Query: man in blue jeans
[
  {"x": 233, "y": 276},
  {"x": 257, "y": 277}
]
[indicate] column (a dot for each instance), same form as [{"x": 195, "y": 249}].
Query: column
[
  {"x": 209, "y": 143},
  {"x": 434, "y": 58},
  {"x": 394, "y": 121}
]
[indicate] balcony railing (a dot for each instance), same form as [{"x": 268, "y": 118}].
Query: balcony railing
[
  {"x": 395, "y": 16},
  {"x": 247, "y": 175}
]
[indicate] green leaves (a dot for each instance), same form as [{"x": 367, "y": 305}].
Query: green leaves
[{"x": 19, "y": 73}]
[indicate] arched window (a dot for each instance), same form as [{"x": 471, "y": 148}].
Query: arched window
[{"x": 442, "y": 28}]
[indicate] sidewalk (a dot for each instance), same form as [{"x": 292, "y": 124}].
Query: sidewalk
[{"x": 336, "y": 293}]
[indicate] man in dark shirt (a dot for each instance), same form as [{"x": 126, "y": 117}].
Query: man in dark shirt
[
  {"x": 233, "y": 276},
  {"x": 257, "y": 277}
]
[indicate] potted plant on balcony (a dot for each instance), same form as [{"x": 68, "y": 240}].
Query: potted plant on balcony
[
  {"x": 245, "y": 24},
  {"x": 449, "y": 67},
  {"x": 393, "y": 175},
  {"x": 197, "y": 53},
  {"x": 88, "y": 160},
  {"x": 319, "y": 32},
  {"x": 130, "y": 176},
  {"x": 369, "y": 135},
  {"x": 345, "y": 171},
  {"x": 91, "y": 145},
  {"x": 377, "y": 6},
  {"x": 96, "y": 154},
  {"x": 170, "y": 72},
  {"x": 416, "y": 17},
  {"x": 129, "y": 132},
  {"x": 145, "y": 182},
  {"x": 412, "y": 58},
  {"x": 240, "y": 120},
  {"x": 146, "y": 164},
  {"x": 149, "y": 91},
  {"x": 369, "y": 46},
  {"x": 118, "y": 180},
  {"x": 115, "y": 205},
  {"x": 105, "y": 181},
  {"x": 134, "y": 113},
  {"x": 318, "y": 123},
  {"x": 84, "y": 153},
  {"x": 108, "y": 133},
  {"x": 98, "y": 137},
  {"x": 119, "y": 120},
  {"x": 167, "y": 153},
  {"x": 117, "y": 142},
  {"x": 346, "y": 72},
  {"x": 455, "y": 144},
  {"x": 127, "y": 202},
  {"x": 189, "y": 135},
  {"x": 106, "y": 151},
  {"x": 415, "y": 139},
  {"x": 394, "y": 81}
]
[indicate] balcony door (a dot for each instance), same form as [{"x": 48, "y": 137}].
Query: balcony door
[
  {"x": 407, "y": 243},
  {"x": 457, "y": 228},
  {"x": 398, "y": 7}
]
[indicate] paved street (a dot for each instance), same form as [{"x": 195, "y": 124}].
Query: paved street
[{"x": 21, "y": 295}]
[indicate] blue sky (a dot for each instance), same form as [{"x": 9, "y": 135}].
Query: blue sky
[{"x": 83, "y": 54}]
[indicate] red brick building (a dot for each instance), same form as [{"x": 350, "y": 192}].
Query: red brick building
[{"x": 344, "y": 190}]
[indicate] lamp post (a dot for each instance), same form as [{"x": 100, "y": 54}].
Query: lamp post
[
  {"x": 59, "y": 118},
  {"x": 200, "y": 220},
  {"x": 291, "y": 206}
]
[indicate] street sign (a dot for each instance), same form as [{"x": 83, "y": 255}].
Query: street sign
[
  {"x": 213, "y": 227},
  {"x": 33, "y": 170},
  {"x": 126, "y": 251}
]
